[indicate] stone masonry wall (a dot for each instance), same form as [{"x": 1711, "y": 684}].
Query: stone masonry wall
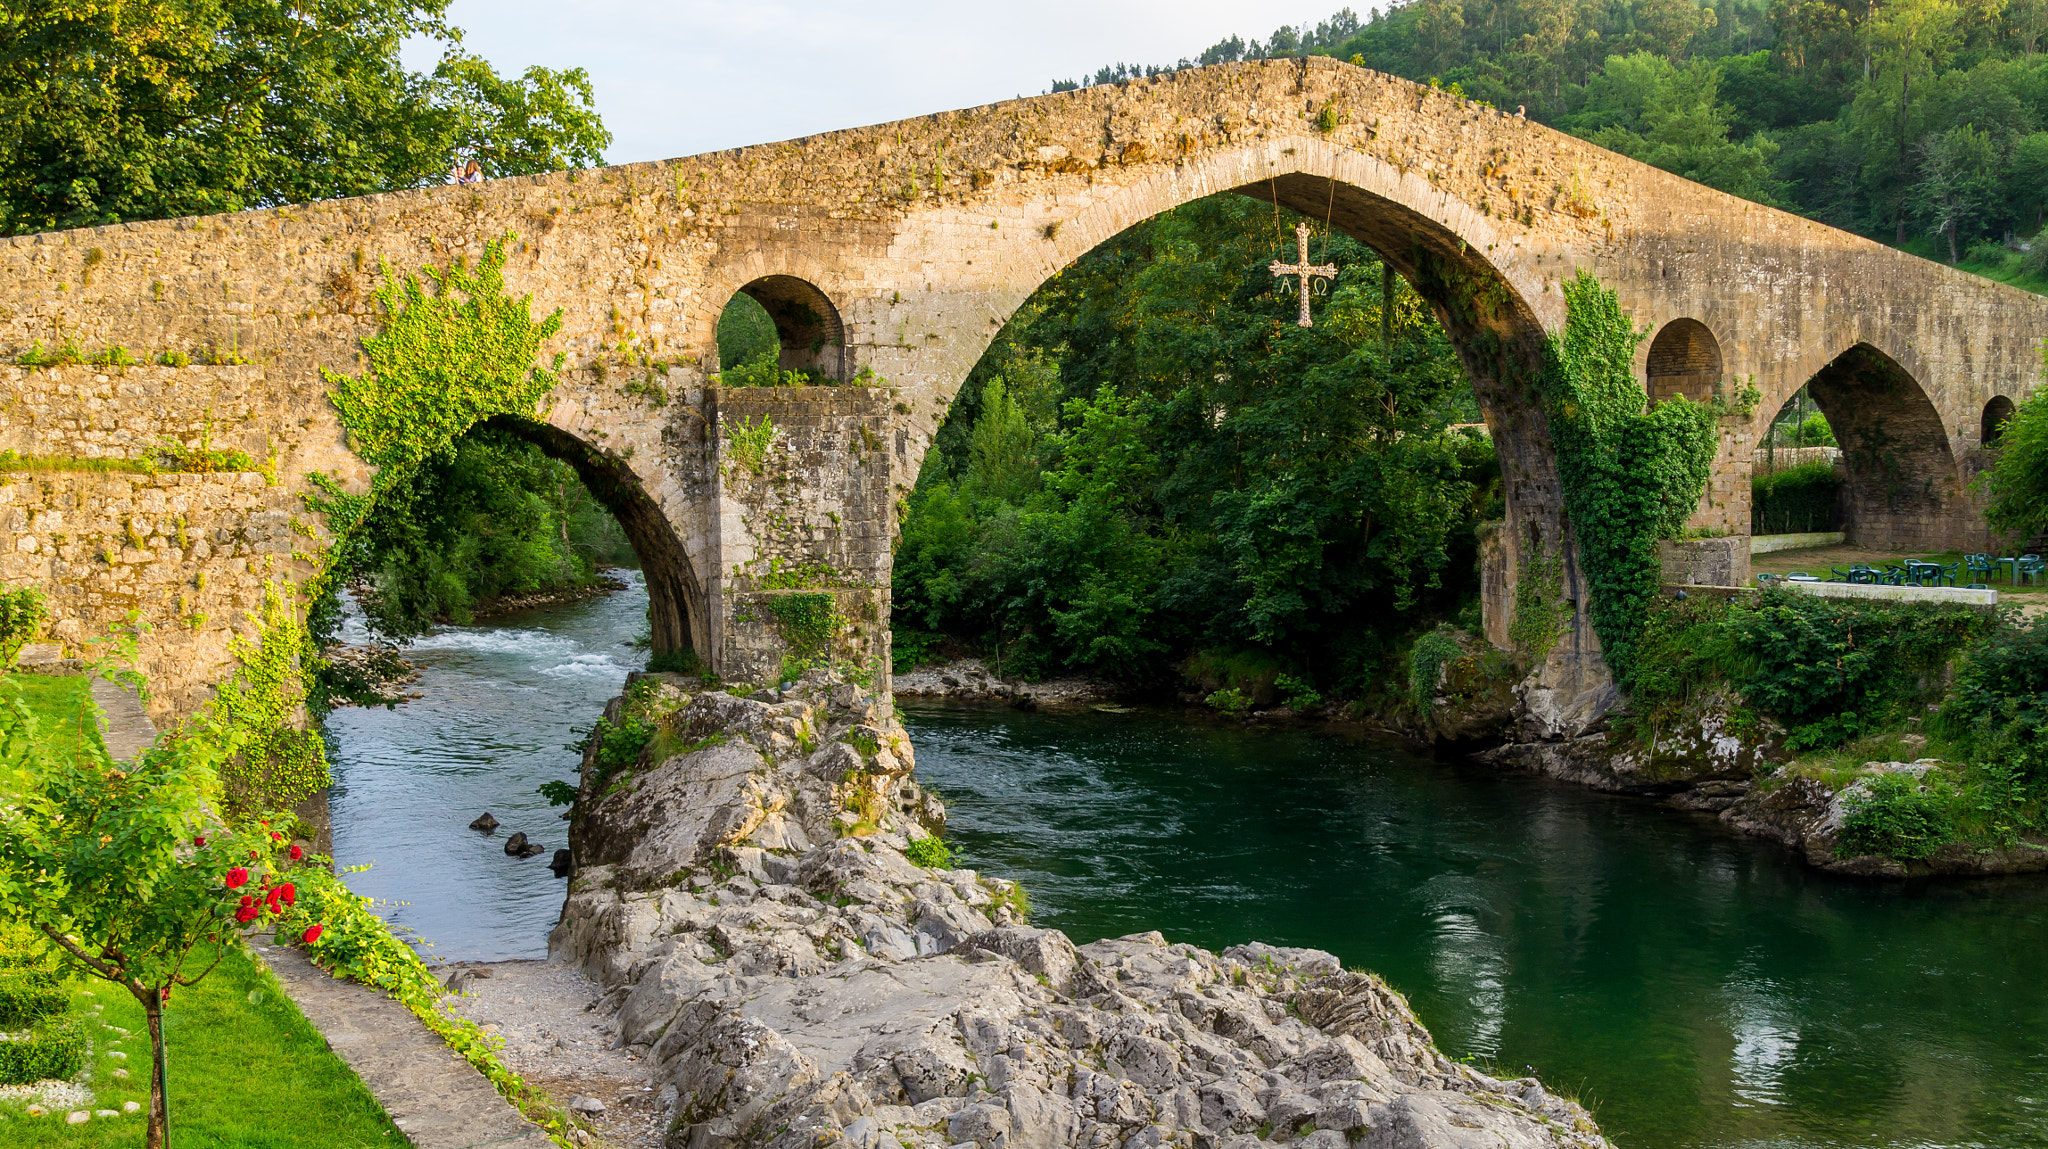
[
  {"x": 816, "y": 517},
  {"x": 185, "y": 556}
]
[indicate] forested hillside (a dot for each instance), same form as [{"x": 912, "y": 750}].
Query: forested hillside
[{"x": 1923, "y": 123}]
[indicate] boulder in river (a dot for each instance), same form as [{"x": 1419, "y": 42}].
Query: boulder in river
[
  {"x": 793, "y": 979},
  {"x": 561, "y": 864},
  {"x": 518, "y": 847},
  {"x": 484, "y": 823}
]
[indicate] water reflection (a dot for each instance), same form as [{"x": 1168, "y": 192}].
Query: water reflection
[{"x": 1698, "y": 988}]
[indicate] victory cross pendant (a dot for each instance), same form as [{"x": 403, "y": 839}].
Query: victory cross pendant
[{"x": 1305, "y": 270}]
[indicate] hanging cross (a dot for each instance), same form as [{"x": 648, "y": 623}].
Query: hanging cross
[{"x": 1304, "y": 269}]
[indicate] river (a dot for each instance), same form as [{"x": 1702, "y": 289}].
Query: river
[{"x": 1697, "y": 988}]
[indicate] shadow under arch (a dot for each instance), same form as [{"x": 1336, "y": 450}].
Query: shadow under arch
[
  {"x": 1991, "y": 427},
  {"x": 1684, "y": 359},
  {"x": 807, "y": 323},
  {"x": 674, "y": 595},
  {"x": 1904, "y": 487}
]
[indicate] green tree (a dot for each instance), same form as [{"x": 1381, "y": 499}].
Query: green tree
[
  {"x": 1673, "y": 118},
  {"x": 487, "y": 516},
  {"x": 1958, "y": 181},
  {"x": 114, "y": 110},
  {"x": 123, "y": 867},
  {"x": 2017, "y": 484},
  {"x": 1909, "y": 40},
  {"x": 1218, "y": 475}
]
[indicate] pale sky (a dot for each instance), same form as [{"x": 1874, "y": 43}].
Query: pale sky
[{"x": 689, "y": 76}]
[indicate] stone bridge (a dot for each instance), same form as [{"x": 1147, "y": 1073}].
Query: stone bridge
[{"x": 889, "y": 257}]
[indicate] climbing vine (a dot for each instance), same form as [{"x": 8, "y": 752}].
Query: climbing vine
[
  {"x": 276, "y": 762},
  {"x": 1632, "y": 473},
  {"x": 749, "y": 441},
  {"x": 442, "y": 364},
  {"x": 1540, "y": 611},
  {"x": 807, "y": 623}
]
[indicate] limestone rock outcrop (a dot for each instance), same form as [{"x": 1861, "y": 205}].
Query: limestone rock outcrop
[{"x": 745, "y": 893}]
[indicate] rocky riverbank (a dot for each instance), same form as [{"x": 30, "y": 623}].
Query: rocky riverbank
[
  {"x": 970, "y": 680},
  {"x": 605, "y": 583},
  {"x": 1740, "y": 771},
  {"x": 749, "y": 898}
]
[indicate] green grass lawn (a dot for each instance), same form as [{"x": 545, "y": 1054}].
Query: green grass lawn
[
  {"x": 54, "y": 699},
  {"x": 247, "y": 1071}
]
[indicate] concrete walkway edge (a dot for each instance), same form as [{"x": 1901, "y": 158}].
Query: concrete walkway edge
[{"x": 432, "y": 1093}]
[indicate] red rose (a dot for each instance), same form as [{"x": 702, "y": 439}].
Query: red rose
[
  {"x": 288, "y": 892},
  {"x": 199, "y": 842},
  {"x": 271, "y": 900},
  {"x": 297, "y": 853},
  {"x": 313, "y": 933},
  {"x": 276, "y": 837},
  {"x": 247, "y": 900},
  {"x": 167, "y": 995},
  {"x": 254, "y": 855},
  {"x": 248, "y": 914},
  {"x": 237, "y": 878}
]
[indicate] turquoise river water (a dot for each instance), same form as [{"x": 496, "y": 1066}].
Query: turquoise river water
[{"x": 1696, "y": 988}]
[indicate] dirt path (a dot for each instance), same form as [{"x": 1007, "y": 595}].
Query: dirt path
[{"x": 559, "y": 1037}]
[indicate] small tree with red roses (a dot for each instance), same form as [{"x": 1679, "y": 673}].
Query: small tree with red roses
[{"x": 125, "y": 868}]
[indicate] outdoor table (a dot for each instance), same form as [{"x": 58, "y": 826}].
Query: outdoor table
[
  {"x": 1917, "y": 569},
  {"x": 2012, "y": 564}
]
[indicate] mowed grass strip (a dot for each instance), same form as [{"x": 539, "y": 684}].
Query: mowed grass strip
[
  {"x": 61, "y": 704},
  {"x": 247, "y": 1071}
]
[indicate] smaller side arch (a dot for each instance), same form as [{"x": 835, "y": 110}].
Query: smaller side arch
[
  {"x": 1992, "y": 426},
  {"x": 1685, "y": 359},
  {"x": 813, "y": 337}
]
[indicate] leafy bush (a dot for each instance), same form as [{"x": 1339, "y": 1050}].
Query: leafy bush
[
  {"x": 1297, "y": 693},
  {"x": 1426, "y": 664},
  {"x": 21, "y": 616},
  {"x": 1230, "y": 700},
  {"x": 931, "y": 853},
  {"x": 56, "y": 1048},
  {"x": 1686, "y": 648},
  {"x": 27, "y": 996},
  {"x": 1895, "y": 818},
  {"x": 619, "y": 745},
  {"x": 1800, "y": 498},
  {"x": 1823, "y": 660},
  {"x": 1998, "y": 707},
  {"x": 910, "y": 648}
]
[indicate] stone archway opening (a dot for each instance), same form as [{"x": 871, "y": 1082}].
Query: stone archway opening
[
  {"x": 1991, "y": 428},
  {"x": 1685, "y": 359},
  {"x": 1904, "y": 489},
  {"x": 675, "y": 607},
  {"x": 786, "y": 322},
  {"x": 1795, "y": 472},
  {"x": 1022, "y": 389}
]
